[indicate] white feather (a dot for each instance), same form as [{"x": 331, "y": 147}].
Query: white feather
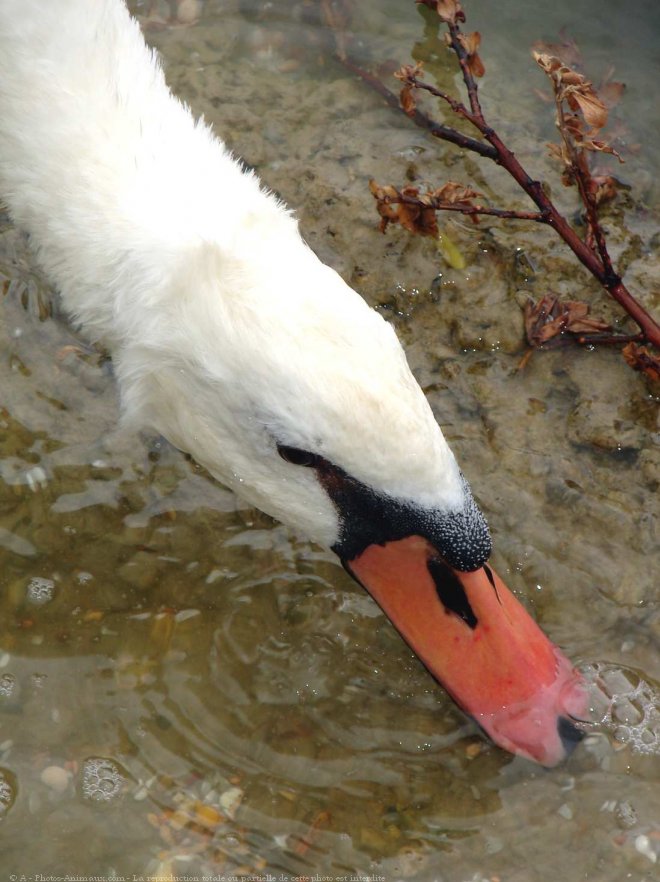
[{"x": 227, "y": 333}]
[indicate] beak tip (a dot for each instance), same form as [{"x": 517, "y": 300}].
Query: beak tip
[
  {"x": 569, "y": 735},
  {"x": 542, "y": 728}
]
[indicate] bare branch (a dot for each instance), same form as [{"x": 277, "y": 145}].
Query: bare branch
[{"x": 445, "y": 133}]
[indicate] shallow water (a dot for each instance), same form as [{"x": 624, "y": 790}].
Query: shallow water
[{"x": 186, "y": 687}]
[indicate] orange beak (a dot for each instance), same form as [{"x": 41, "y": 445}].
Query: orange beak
[{"x": 481, "y": 644}]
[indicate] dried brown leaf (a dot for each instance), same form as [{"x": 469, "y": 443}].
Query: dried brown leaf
[
  {"x": 550, "y": 317},
  {"x": 548, "y": 331},
  {"x": 382, "y": 192},
  {"x": 584, "y": 98},
  {"x": 471, "y": 42},
  {"x": 568, "y": 177},
  {"x": 407, "y": 99},
  {"x": 574, "y": 125},
  {"x": 388, "y": 213},
  {"x": 559, "y": 152},
  {"x": 569, "y": 77},
  {"x": 549, "y": 63},
  {"x": 450, "y": 11},
  {"x": 416, "y": 218},
  {"x": 454, "y": 193},
  {"x": 536, "y": 315},
  {"x": 420, "y": 221},
  {"x": 606, "y": 188},
  {"x": 641, "y": 359},
  {"x": 574, "y": 309},
  {"x": 578, "y": 320},
  {"x": 587, "y": 326},
  {"x": 476, "y": 65},
  {"x": 599, "y": 147}
]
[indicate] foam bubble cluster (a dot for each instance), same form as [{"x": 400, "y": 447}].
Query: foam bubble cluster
[
  {"x": 40, "y": 591},
  {"x": 7, "y": 685},
  {"x": 7, "y": 794},
  {"x": 625, "y": 705},
  {"x": 102, "y": 780}
]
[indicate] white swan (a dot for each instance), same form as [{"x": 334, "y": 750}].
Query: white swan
[{"x": 236, "y": 343}]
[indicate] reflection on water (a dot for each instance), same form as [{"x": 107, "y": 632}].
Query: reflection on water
[{"x": 186, "y": 687}]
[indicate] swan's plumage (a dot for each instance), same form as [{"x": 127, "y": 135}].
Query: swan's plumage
[{"x": 227, "y": 332}]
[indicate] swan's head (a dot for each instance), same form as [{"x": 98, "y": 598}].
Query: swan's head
[{"x": 279, "y": 380}]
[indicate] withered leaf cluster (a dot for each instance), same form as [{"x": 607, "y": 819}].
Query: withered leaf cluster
[
  {"x": 417, "y": 211},
  {"x": 574, "y": 88},
  {"x": 416, "y": 218},
  {"x": 408, "y": 73},
  {"x": 584, "y": 114},
  {"x": 550, "y": 317}
]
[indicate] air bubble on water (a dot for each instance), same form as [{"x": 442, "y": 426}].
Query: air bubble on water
[
  {"x": 7, "y": 793},
  {"x": 102, "y": 779},
  {"x": 7, "y": 685},
  {"x": 40, "y": 591},
  {"x": 625, "y": 705}
]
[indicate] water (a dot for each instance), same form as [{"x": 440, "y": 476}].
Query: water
[{"x": 218, "y": 695}]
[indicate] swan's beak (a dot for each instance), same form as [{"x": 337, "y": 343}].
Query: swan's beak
[{"x": 481, "y": 644}]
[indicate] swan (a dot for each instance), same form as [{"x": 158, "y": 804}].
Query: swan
[{"x": 235, "y": 342}]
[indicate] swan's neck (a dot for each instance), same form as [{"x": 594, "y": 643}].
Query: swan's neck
[
  {"x": 106, "y": 169},
  {"x": 227, "y": 333}
]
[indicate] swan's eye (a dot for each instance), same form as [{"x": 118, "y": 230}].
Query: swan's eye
[{"x": 296, "y": 456}]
